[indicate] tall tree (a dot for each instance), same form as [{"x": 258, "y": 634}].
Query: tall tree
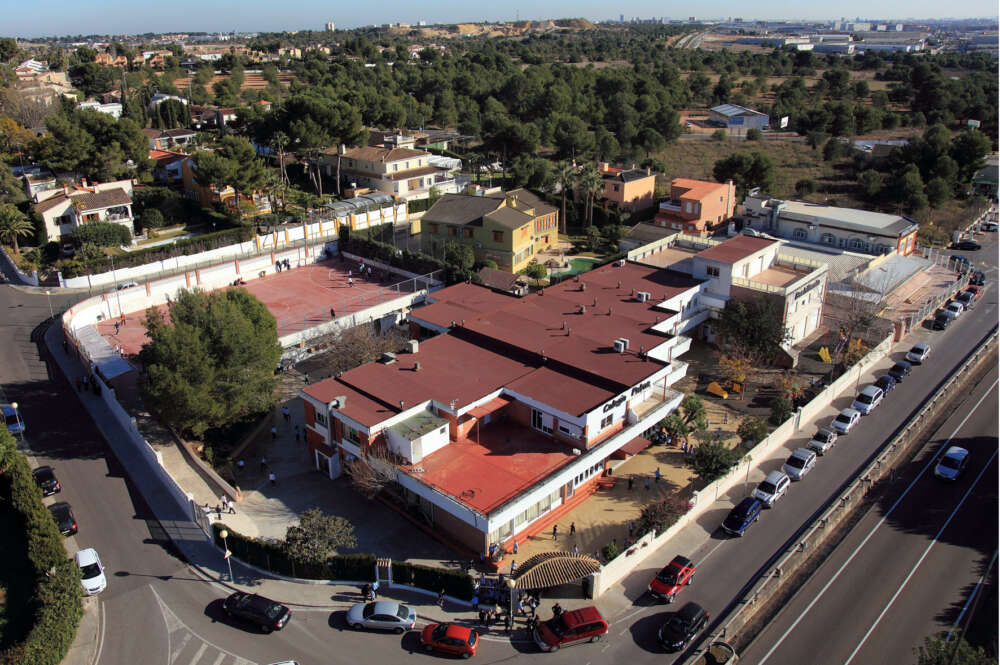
[
  {"x": 589, "y": 183},
  {"x": 753, "y": 328},
  {"x": 13, "y": 224},
  {"x": 565, "y": 177}
]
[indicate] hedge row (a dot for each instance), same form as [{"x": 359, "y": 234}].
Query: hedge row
[
  {"x": 183, "y": 247},
  {"x": 56, "y": 605},
  {"x": 269, "y": 555},
  {"x": 414, "y": 262}
]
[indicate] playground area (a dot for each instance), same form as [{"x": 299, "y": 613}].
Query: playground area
[{"x": 299, "y": 298}]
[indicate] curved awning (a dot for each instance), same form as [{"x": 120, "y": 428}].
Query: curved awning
[{"x": 550, "y": 569}]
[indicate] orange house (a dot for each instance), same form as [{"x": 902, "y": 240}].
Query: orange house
[
  {"x": 697, "y": 206},
  {"x": 207, "y": 195},
  {"x": 627, "y": 190}
]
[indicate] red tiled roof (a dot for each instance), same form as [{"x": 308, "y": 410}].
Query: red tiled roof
[
  {"x": 734, "y": 249},
  {"x": 359, "y": 407},
  {"x": 695, "y": 189}
]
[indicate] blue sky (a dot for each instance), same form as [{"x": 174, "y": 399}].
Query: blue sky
[{"x": 63, "y": 17}]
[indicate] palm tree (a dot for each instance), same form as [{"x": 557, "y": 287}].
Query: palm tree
[
  {"x": 565, "y": 179},
  {"x": 589, "y": 181},
  {"x": 13, "y": 223}
]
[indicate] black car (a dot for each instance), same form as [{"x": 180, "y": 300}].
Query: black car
[
  {"x": 682, "y": 626},
  {"x": 968, "y": 245},
  {"x": 257, "y": 610},
  {"x": 978, "y": 278},
  {"x": 886, "y": 383},
  {"x": 900, "y": 370},
  {"x": 45, "y": 477},
  {"x": 941, "y": 321},
  {"x": 743, "y": 514},
  {"x": 63, "y": 515}
]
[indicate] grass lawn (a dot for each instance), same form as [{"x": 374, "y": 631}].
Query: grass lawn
[{"x": 16, "y": 581}]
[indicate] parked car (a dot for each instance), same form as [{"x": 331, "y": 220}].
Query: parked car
[
  {"x": 91, "y": 571},
  {"x": 258, "y": 610},
  {"x": 867, "y": 400},
  {"x": 989, "y": 226},
  {"x": 975, "y": 290},
  {"x": 450, "y": 638},
  {"x": 681, "y": 626},
  {"x": 886, "y": 383},
  {"x": 126, "y": 285},
  {"x": 846, "y": 420},
  {"x": 672, "y": 578},
  {"x": 919, "y": 353},
  {"x": 942, "y": 320},
  {"x": 978, "y": 278},
  {"x": 381, "y": 615},
  {"x": 967, "y": 245},
  {"x": 799, "y": 463},
  {"x": 572, "y": 627},
  {"x": 823, "y": 440},
  {"x": 960, "y": 263},
  {"x": 743, "y": 514},
  {"x": 955, "y": 308},
  {"x": 12, "y": 418},
  {"x": 952, "y": 463},
  {"x": 900, "y": 370},
  {"x": 46, "y": 480},
  {"x": 772, "y": 488},
  {"x": 968, "y": 300},
  {"x": 62, "y": 513}
]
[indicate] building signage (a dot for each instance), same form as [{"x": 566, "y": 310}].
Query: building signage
[
  {"x": 642, "y": 386},
  {"x": 807, "y": 288},
  {"x": 614, "y": 403}
]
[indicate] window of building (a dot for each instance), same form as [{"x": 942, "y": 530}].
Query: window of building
[
  {"x": 857, "y": 243},
  {"x": 606, "y": 421},
  {"x": 616, "y": 188},
  {"x": 395, "y": 167},
  {"x": 453, "y": 231},
  {"x": 321, "y": 418},
  {"x": 407, "y": 164},
  {"x": 712, "y": 271},
  {"x": 352, "y": 434},
  {"x": 541, "y": 421},
  {"x": 828, "y": 239},
  {"x": 432, "y": 227},
  {"x": 466, "y": 233},
  {"x": 799, "y": 234},
  {"x": 687, "y": 206},
  {"x": 498, "y": 236}
]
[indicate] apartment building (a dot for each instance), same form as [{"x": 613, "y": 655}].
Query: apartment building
[
  {"x": 509, "y": 228},
  {"x": 697, "y": 206},
  {"x": 506, "y": 411}
]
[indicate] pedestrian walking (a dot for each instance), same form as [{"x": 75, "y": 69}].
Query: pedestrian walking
[
  {"x": 116, "y": 327},
  {"x": 218, "y": 511},
  {"x": 532, "y": 604},
  {"x": 333, "y": 314},
  {"x": 374, "y": 589},
  {"x": 232, "y": 508},
  {"x": 647, "y": 482},
  {"x": 506, "y": 623},
  {"x": 224, "y": 500},
  {"x": 684, "y": 447},
  {"x": 482, "y": 617},
  {"x": 123, "y": 319},
  {"x": 657, "y": 474},
  {"x": 286, "y": 414},
  {"x": 555, "y": 532},
  {"x": 576, "y": 550},
  {"x": 520, "y": 606},
  {"x": 274, "y": 433},
  {"x": 557, "y": 610},
  {"x": 631, "y": 481},
  {"x": 513, "y": 567},
  {"x": 572, "y": 528},
  {"x": 296, "y": 432},
  {"x": 515, "y": 547},
  {"x": 350, "y": 281},
  {"x": 272, "y": 478},
  {"x": 475, "y": 602},
  {"x": 263, "y": 464},
  {"x": 440, "y": 600}
]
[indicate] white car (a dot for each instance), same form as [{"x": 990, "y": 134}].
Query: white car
[
  {"x": 989, "y": 226},
  {"x": 823, "y": 440},
  {"x": 381, "y": 615},
  {"x": 91, "y": 571},
  {"x": 799, "y": 463},
  {"x": 772, "y": 488},
  {"x": 955, "y": 308},
  {"x": 952, "y": 463},
  {"x": 867, "y": 400},
  {"x": 918, "y": 353},
  {"x": 846, "y": 420}
]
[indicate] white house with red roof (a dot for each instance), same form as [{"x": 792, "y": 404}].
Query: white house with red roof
[{"x": 64, "y": 209}]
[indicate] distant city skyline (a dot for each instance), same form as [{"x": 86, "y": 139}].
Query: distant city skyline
[{"x": 61, "y": 17}]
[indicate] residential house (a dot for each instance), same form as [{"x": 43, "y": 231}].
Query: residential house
[
  {"x": 401, "y": 172},
  {"x": 844, "y": 228},
  {"x": 738, "y": 119},
  {"x": 697, "y": 206},
  {"x": 168, "y": 167},
  {"x": 209, "y": 195},
  {"x": 984, "y": 182},
  {"x": 627, "y": 190},
  {"x": 64, "y": 209},
  {"x": 163, "y": 139},
  {"x": 512, "y": 412},
  {"x": 155, "y": 59},
  {"x": 38, "y": 179},
  {"x": 509, "y": 229},
  {"x": 114, "y": 109},
  {"x": 109, "y": 60},
  {"x": 162, "y": 97}
]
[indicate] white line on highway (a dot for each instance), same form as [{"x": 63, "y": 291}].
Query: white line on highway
[
  {"x": 979, "y": 585},
  {"x": 710, "y": 553},
  {"x": 920, "y": 560},
  {"x": 100, "y": 637},
  {"x": 875, "y": 528}
]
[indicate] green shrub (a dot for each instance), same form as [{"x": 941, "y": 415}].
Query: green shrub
[
  {"x": 456, "y": 583},
  {"x": 781, "y": 409},
  {"x": 102, "y": 234},
  {"x": 609, "y": 552},
  {"x": 754, "y": 134},
  {"x": 152, "y": 219},
  {"x": 182, "y": 247},
  {"x": 719, "y": 135},
  {"x": 659, "y": 516}
]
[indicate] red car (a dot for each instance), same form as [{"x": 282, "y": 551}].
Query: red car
[
  {"x": 674, "y": 576},
  {"x": 975, "y": 290},
  {"x": 573, "y": 627},
  {"x": 450, "y": 638}
]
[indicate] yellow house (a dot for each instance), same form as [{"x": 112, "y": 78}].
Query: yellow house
[
  {"x": 207, "y": 195},
  {"x": 508, "y": 228}
]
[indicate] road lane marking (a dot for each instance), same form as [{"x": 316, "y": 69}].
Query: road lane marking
[
  {"x": 920, "y": 560},
  {"x": 875, "y": 528},
  {"x": 199, "y": 653},
  {"x": 979, "y": 585},
  {"x": 180, "y": 647},
  {"x": 100, "y": 637},
  {"x": 174, "y": 624},
  {"x": 219, "y": 658}
]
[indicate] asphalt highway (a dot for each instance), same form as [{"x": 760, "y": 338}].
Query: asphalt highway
[
  {"x": 157, "y": 610},
  {"x": 904, "y": 571}
]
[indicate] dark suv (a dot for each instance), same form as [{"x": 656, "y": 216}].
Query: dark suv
[
  {"x": 682, "y": 626},
  {"x": 745, "y": 513},
  {"x": 257, "y": 610},
  {"x": 46, "y": 480}
]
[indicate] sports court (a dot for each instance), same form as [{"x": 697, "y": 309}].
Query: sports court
[{"x": 299, "y": 298}]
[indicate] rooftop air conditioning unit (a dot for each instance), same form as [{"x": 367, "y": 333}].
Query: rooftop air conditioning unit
[
  {"x": 619, "y": 346},
  {"x": 643, "y": 296},
  {"x": 621, "y": 263},
  {"x": 412, "y": 346},
  {"x": 624, "y": 340}
]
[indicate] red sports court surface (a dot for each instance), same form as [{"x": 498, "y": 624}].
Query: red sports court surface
[
  {"x": 298, "y": 299},
  {"x": 507, "y": 460}
]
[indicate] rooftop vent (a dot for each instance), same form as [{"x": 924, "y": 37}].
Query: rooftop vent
[
  {"x": 643, "y": 296},
  {"x": 619, "y": 284},
  {"x": 582, "y": 310},
  {"x": 619, "y": 346},
  {"x": 583, "y": 286},
  {"x": 621, "y": 263},
  {"x": 387, "y": 358},
  {"x": 416, "y": 366}
]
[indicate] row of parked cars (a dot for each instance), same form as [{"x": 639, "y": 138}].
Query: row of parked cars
[
  {"x": 960, "y": 303},
  {"x": 92, "y": 570}
]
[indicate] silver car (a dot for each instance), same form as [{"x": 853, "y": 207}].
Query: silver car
[
  {"x": 381, "y": 615},
  {"x": 823, "y": 440},
  {"x": 799, "y": 463},
  {"x": 772, "y": 488}
]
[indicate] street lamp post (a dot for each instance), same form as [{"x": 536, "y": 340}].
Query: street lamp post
[
  {"x": 225, "y": 534},
  {"x": 746, "y": 483},
  {"x": 48, "y": 296},
  {"x": 118, "y": 294},
  {"x": 17, "y": 415},
  {"x": 510, "y": 585}
]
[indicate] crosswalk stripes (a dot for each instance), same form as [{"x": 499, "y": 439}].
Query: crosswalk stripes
[{"x": 186, "y": 647}]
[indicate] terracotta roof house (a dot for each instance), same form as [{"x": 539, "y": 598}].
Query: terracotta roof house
[
  {"x": 627, "y": 190},
  {"x": 502, "y": 281},
  {"x": 697, "y": 206},
  {"x": 64, "y": 210},
  {"x": 400, "y": 172}
]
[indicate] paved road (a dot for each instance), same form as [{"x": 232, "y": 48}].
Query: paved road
[
  {"x": 904, "y": 571},
  {"x": 156, "y": 606}
]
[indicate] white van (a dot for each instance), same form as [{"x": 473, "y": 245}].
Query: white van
[{"x": 868, "y": 399}]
